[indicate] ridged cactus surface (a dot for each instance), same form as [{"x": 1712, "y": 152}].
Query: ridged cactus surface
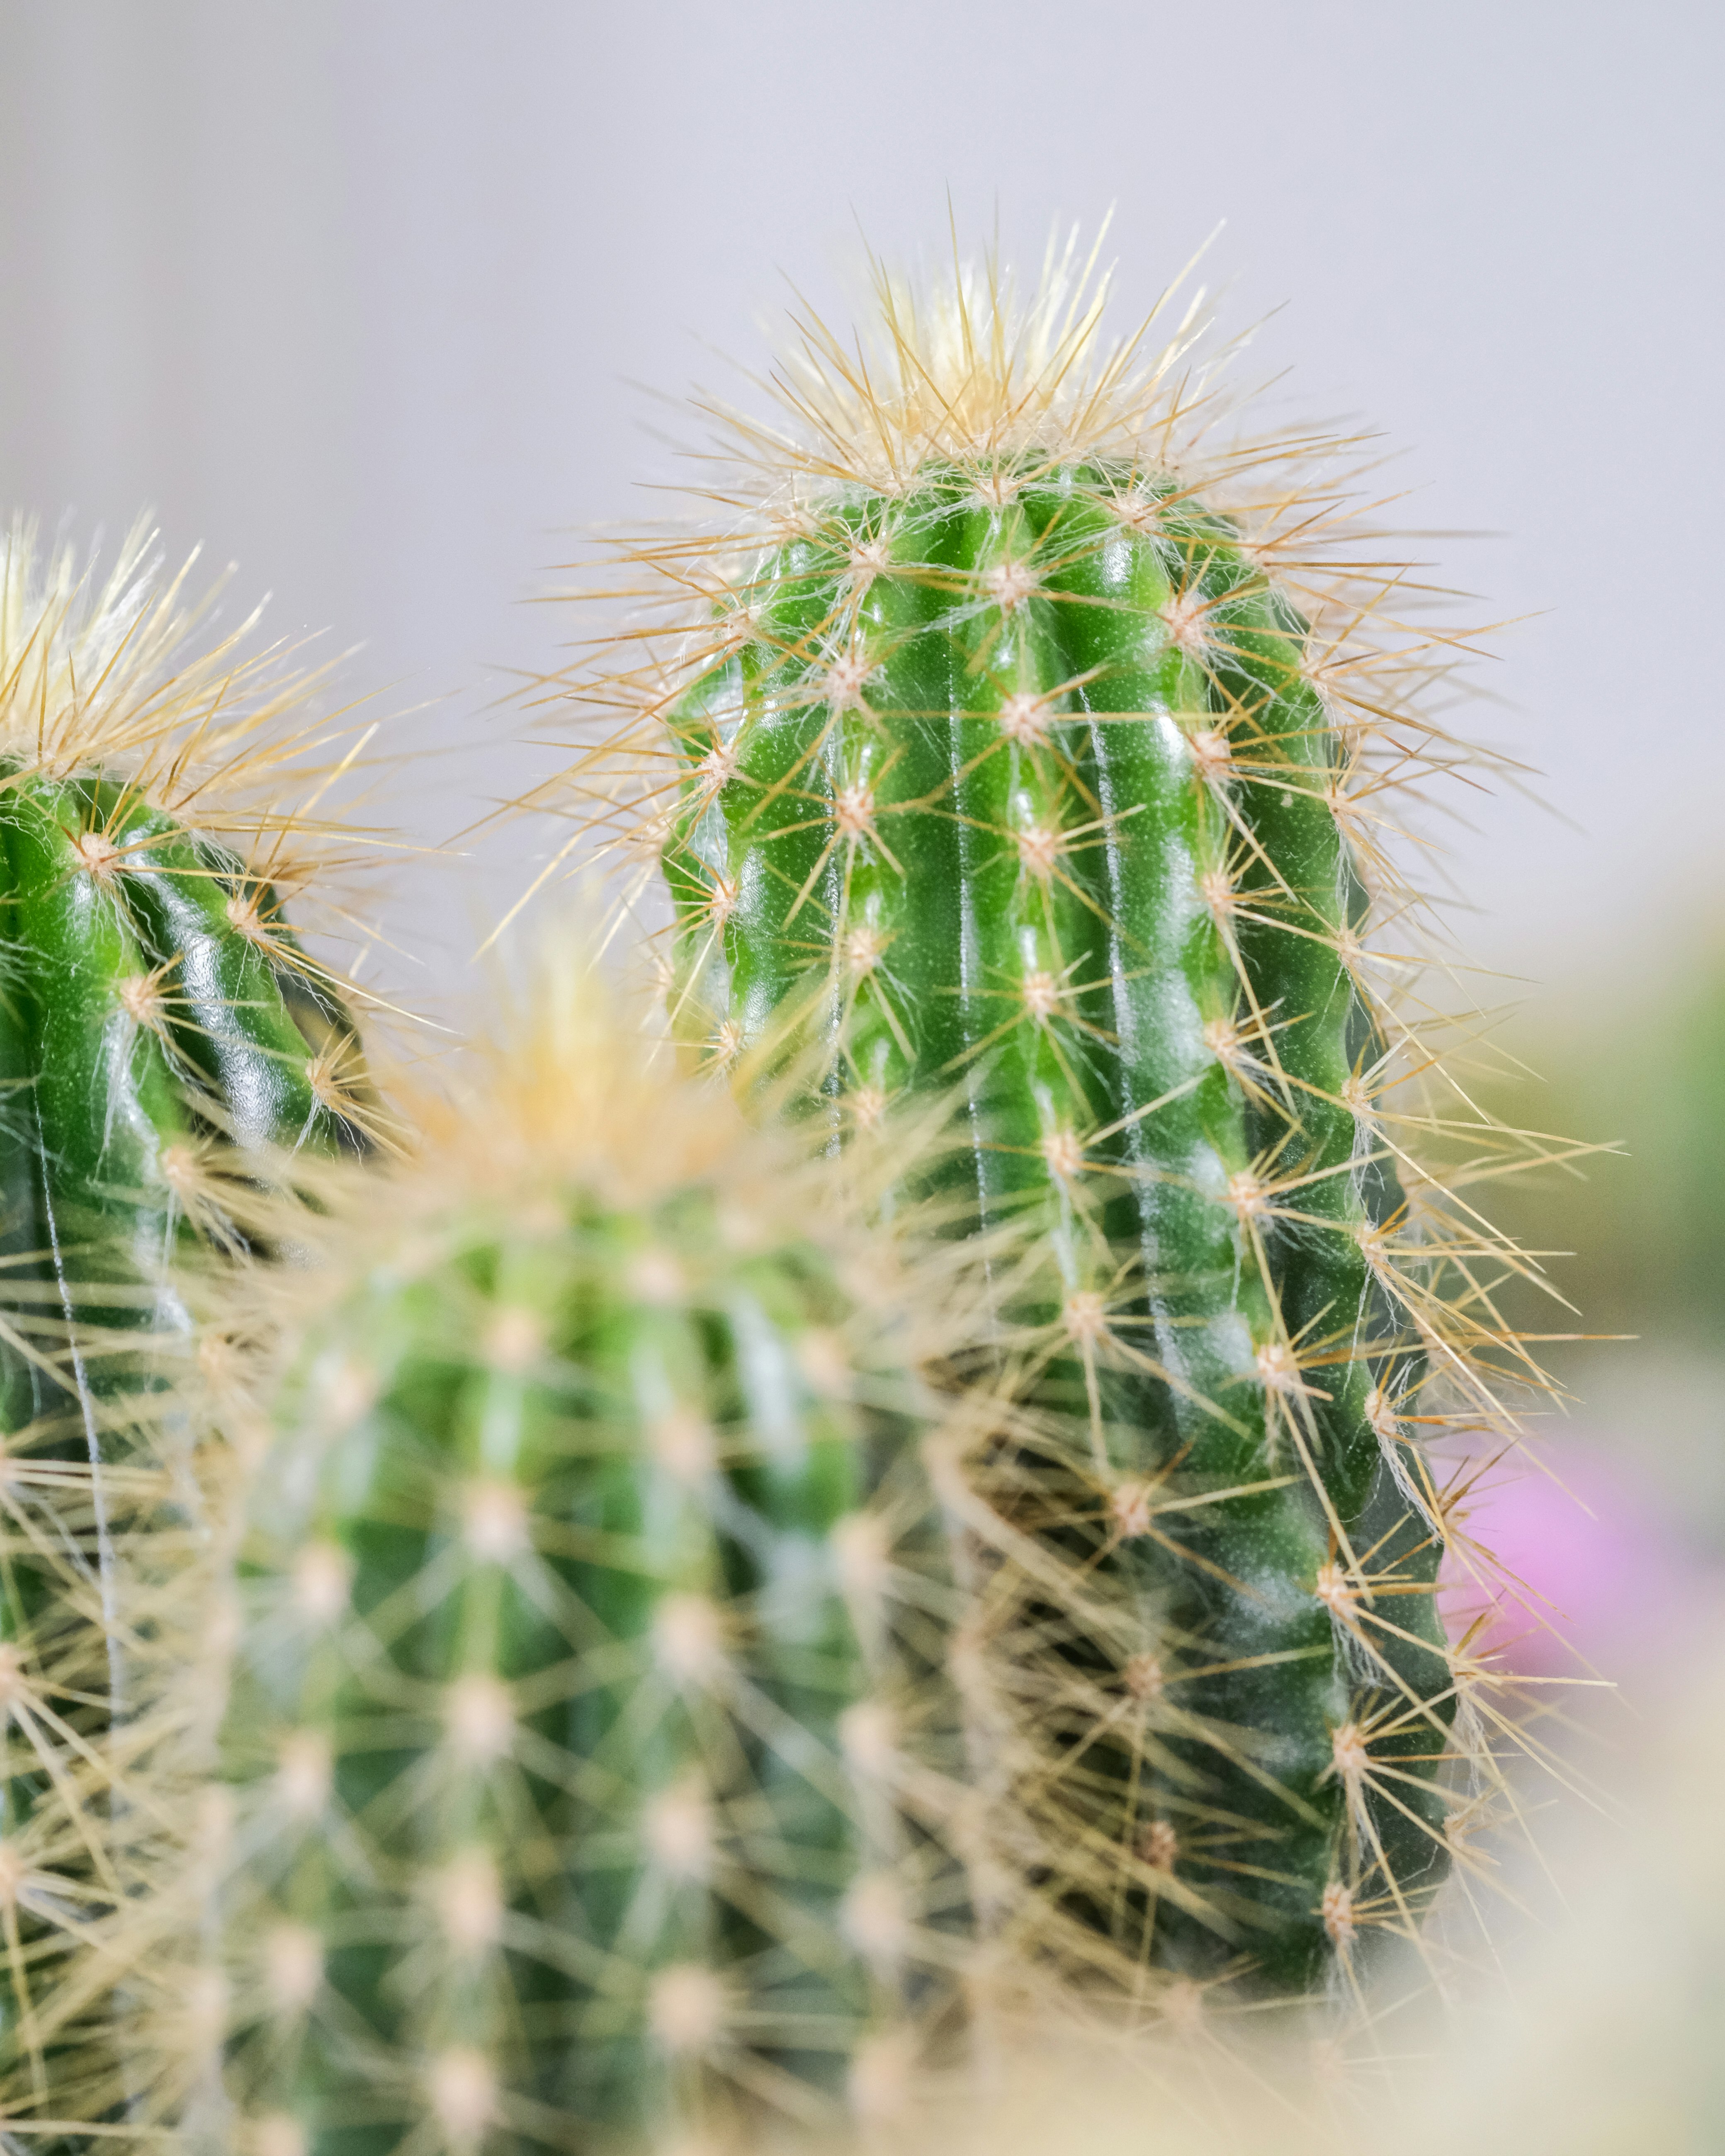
[
  {"x": 158, "y": 1022},
  {"x": 593, "y": 1757},
  {"x": 1015, "y": 779},
  {"x": 155, "y": 994},
  {"x": 1027, "y": 757}
]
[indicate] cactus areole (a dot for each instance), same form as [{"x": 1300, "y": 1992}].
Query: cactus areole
[{"x": 1008, "y": 766}]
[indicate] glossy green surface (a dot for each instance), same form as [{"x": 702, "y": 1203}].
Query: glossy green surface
[
  {"x": 545, "y": 1726},
  {"x": 150, "y": 1008},
  {"x": 1012, "y": 789}
]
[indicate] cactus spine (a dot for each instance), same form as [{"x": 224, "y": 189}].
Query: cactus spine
[
  {"x": 593, "y": 1758},
  {"x": 1008, "y": 766},
  {"x": 156, "y": 1014}
]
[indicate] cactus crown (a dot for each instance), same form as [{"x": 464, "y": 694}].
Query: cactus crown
[
  {"x": 215, "y": 772},
  {"x": 968, "y": 370},
  {"x": 966, "y": 388},
  {"x": 102, "y": 672}
]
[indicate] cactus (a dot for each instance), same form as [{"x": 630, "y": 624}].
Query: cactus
[
  {"x": 156, "y": 998},
  {"x": 1020, "y": 750},
  {"x": 593, "y": 1761},
  {"x": 161, "y": 1029}
]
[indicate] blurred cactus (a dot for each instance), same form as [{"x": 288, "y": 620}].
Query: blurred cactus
[
  {"x": 1024, "y": 751},
  {"x": 161, "y": 1029},
  {"x": 596, "y": 1765}
]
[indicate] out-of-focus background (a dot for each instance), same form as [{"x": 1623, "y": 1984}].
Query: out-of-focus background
[{"x": 385, "y": 302}]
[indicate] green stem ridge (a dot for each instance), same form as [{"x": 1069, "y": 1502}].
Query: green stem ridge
[
  {"x": 1011, "y": 782},
  {"x": 596, "y": 1768}
]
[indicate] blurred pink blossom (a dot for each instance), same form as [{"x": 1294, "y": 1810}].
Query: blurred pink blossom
[{"x": 1592, "y": 1568}]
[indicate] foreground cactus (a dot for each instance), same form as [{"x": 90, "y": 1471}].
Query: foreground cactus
[
  {"x": 159, "y": 1028},
  {"x": 1004, "y": 764},
  {"x": 594, "y": 1763}
]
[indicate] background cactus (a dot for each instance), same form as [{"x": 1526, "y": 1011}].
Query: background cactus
[
  {"x": 1020, "y": 750},
  {"x": 162, "y": 1029},
  {"x": 595, "y": 1765}
]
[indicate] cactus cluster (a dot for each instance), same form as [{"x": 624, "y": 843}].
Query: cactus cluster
[{"x": 606, "y": 1626}]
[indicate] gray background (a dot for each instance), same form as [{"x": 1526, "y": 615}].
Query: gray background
[{"x": 371, "y": 298}]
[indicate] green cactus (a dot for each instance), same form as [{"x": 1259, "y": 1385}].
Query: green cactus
[
  {"x": 1003, "y": 765},
  {"x": 161, "y": 1031},
  {"x": 595, "y": 1769}
]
